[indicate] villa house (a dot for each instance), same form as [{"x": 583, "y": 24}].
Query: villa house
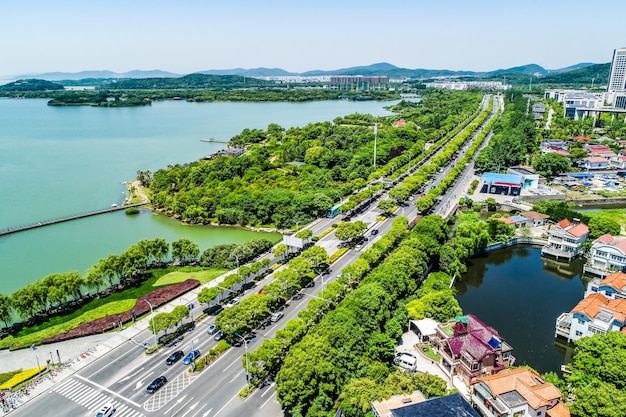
[
  {"x": 608, "y": 254},
  {"x": 594, "y": 162},
  {"x": 594, "y": 314},
  {"x": 612, "y": 287},
  {"x": 566, "y": 239},
  {"x": 517, "y": 392},
  {"x": 538, "y": 219},
  {"x": 618, "y": 161},
  {"x": 469, "y": 348}
]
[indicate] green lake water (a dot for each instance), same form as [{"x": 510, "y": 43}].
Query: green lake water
[{"x": 60, "y": 161}]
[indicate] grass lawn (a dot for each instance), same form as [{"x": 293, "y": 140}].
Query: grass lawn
[
  {"x": 113, "y": 307},
  {"x": 128, "y": 294},
  {"x": 617, "y": 215},
  {"x": 175, "y": 277}
]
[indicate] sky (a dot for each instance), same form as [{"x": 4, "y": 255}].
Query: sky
[{"x": 186, "y": 36}]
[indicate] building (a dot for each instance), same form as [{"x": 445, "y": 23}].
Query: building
[
  {"x": 538, "y": 219},
  {"x": 608, "y": 254},
  {"x": 425, "y": 329},
  {"x": 469, "y": 348},
  {"x": 594, "y": 314},
  {"x": 517, "y": 221},
  {"x": 506, "y": 184},
  {"x": 612, "y": 286},
  {"x": 566, "y": 239},
  {"x": 594, "y": 162},
  {"x": 517, "y": 392},
  {"x": 600, "y": 150},
  {"x": 616, "y": 89},
  {"x": 618, "y": 162},
  {"x": 415, "y": 405},
  {"x": 530, "y": 179}
]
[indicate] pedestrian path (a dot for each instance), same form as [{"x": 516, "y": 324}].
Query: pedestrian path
[{"x": 92, "y": 399}]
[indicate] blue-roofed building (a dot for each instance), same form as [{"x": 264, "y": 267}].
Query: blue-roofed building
[
  {"x": 507, "y": 184},
  {"x": 449, "y": 406}
]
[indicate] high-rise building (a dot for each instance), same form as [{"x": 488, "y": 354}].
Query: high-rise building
[{"x": 616, "y": 90}]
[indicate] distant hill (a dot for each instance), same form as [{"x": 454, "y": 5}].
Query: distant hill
[
  {"x": 597, "y": 74},
  {"x": 32, "y": 84},
  {"x": 381, "y": 68}
]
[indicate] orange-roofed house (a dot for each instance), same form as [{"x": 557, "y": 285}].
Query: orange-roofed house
[
  {"x": 608, "y": 254},
  {"x": 517, "y": 392},
  {"x": 566, "y": 239},
  {"x": 594, "y": 314}
]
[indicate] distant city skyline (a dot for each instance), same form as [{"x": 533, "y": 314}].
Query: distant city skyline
[{"x": 183, "y": 37}]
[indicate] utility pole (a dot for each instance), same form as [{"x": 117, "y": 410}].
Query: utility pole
[{"x": 375, "y": 135}]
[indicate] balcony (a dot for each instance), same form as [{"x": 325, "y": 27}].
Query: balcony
[
  {"x": 594, "y": 270},
  {"x": 557, "y": 253}
]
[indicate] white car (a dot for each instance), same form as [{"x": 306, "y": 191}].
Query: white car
[
  {"x": 107, "y": 410},
  {"x": 232, "y": 303},
  {"x": 276, "y": 316}
]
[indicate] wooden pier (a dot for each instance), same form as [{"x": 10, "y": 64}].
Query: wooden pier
[{"x": 69, "y": 218}]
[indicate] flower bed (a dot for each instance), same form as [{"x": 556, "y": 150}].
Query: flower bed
[
  {"x": 21, "y": 377},
  {"x": 156, "y": 298}
]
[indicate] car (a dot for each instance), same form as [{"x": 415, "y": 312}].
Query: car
[
  {"x": 212, "y": 329},
  {"x": 156, "y": 384},
  {"x": 213, "y": 310},
  {"x": 358, "y": 247},
  {"x": 232, "y": 303},
  {"x": 219, "y": 335},
  {"x": 106, "y": 410},
  {"x": 277, "y": 316},
  {"x": 374, "y": 232},
  {"x": 191, "y": 356},
  {"x": 311, "y": 284},
  {"x": 298, "y": 296},
  {"x": 174, "y": 357},
  {"x": 260, "y": 291}
]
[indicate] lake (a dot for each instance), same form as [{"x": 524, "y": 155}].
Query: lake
[
  {"x": 521, "y": 294},
  {"x": 60, "y": 161}
]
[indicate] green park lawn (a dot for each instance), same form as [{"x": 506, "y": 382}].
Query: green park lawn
[
  {"x": 115, "y": 303},
  {"x": 180, "y": 276}
]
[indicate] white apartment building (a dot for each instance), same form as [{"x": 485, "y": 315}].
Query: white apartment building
[
  {"x": 616, "y": 89},
  {"x": 608, "y": 254}
]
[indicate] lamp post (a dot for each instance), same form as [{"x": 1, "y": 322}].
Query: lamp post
[
  {"x": 237, "y": 258},
  {"x": 152, "y": 319},
  {"x": 245, "y": 344},
  {"x": 34, "y": 348},
  {"x": 375, "y": 135}
]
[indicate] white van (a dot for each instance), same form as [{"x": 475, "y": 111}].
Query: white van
[{"x": 406, "y": 361}]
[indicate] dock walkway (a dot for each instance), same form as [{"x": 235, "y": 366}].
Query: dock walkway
[{"x": 12, "y": 230}]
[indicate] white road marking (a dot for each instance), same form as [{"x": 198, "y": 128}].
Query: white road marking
[{"x": 108, "y": 390}]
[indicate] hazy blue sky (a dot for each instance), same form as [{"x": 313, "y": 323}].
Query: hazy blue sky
[{"x": 187, "y": 35}]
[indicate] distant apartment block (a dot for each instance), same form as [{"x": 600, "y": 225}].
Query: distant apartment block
[
  {"x": 608, "y": 254},
  {"x": 466, "y": 85},
  {"x": 517, "y": 392},
  {"x": 616, "y": 89},
  {"x": 469, "y": 348},
  {"x": 565, "y": 239}
]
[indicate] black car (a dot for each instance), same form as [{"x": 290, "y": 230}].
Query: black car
[
  {"x": 174, "y": 357},
  {"x": 156, "y": 384},
  {"x": 213, "y": 310},
  {"x": 298, "y": 296},
  {"x": 374, "y": 232}
]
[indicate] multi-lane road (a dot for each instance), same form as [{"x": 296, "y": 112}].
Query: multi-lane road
[{"x": 120, "y": 375}]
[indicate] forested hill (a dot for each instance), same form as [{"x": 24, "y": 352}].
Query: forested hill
[
  {"x": 598, "y": 74},
  {"x": 191, "y": 81},
  {"x": 31, "y": 85}
]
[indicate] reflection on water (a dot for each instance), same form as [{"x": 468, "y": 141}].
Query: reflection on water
[{"x": 521, "y": 294}]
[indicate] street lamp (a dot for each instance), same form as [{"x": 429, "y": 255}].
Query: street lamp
[
  {"x": 237, "y": 258},
  {"x": 245, "y": 343},
  {"x": 34, "y": 348},
  {"x": 152, "y": 319}
]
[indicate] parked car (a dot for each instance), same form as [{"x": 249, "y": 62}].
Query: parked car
[
  {"x": 191, "y": 356},
  {"x": 212, "y": 329},
  {"x": 277, "y": 316},
  {"x": 374, "y": 232},
  {"x": 232, "y": 303},
  {"x": 298, "y": 296},
  {"x": 358, "y": 247},
  {"x": 106, "y": 410},
  {"x": 219, "y": 335},
  {"x": 174, "y": 357},
  {"x": 156, "y": 384},
  {"x": 213, "y": 310}
]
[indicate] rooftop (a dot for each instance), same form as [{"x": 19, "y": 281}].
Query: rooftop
[
  {"x": 449, "y": 406},
  {"x": 534, "y": 215},
  {"x": 618, "y": 242},
  {"x": 616, "y": 280},
  {"x": 595, "y": 304}
]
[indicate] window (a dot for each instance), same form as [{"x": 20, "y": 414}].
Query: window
[
  {"x": 475, "y": 366},
  {"x": 579, "y": 333}
]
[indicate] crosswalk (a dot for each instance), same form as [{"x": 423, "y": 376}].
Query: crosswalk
[{"x": 92, "y": 399}]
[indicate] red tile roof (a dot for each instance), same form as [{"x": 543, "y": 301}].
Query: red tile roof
[
  {"x": 583, "y": 138},
  {"x": 579, "y": 230},
  {"x": 594, "y": 303},
  {"x": 564, "y": 223},
  {"x": 534, "y": 215},
  {"x": 615, "y": 280},
  {"x": 618, "y": 242}
]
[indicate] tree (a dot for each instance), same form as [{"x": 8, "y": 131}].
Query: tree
[
  {"x": 551, "y": 164},
  {"x": 280, "y": 250},
  {"x": 387, "y": 206},
  {"x": 5, "y": 309},
  {"x": 316, "y": 256},
  {"x": 304, "y": 234},
  {"x": 208, "y": 294},
  {"x": 348, "y": 230},
  {"x": 440, "y": 305},
  {"x": 600, "y": 225},
  {"x": 185, "y": 250}
]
